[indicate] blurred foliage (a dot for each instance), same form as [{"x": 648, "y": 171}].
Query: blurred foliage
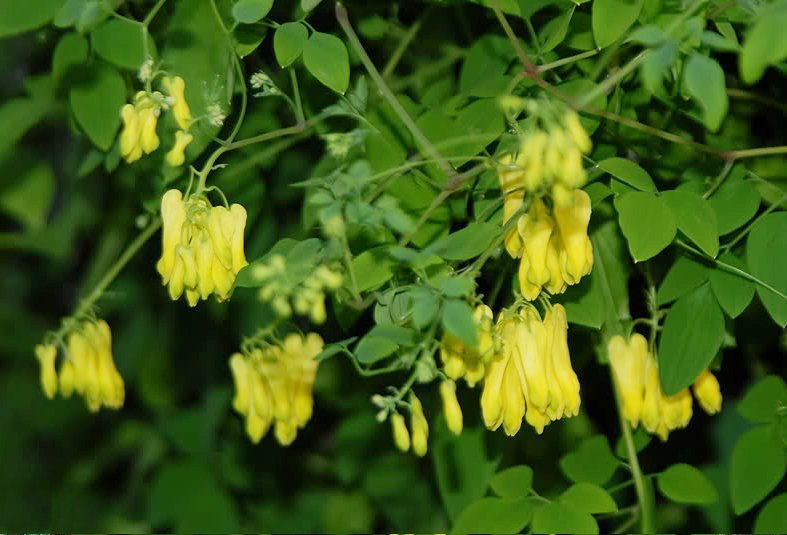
[{"x": 704, "y": 80}]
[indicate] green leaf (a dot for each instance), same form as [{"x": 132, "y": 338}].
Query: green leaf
[
  {"x": 703, "y": 78},
  {"x": 248, "y": 37},
  {"x": 557, "y": 518},
  {"x": 467, "y": 243},
  {"x": 762, "y": 401},
  {"x": 695, "y": 218},
  {"x": 588, "y": 498},
  {"x": 765, "y": 249},
  {"x": 765, "y": 44},
  {"x": 18, "y": 16},
  {"x": 641, "y": 440},
  {"x": 611, "y": 19},
  {"x": 325, "y": 57},
  {"x": 308, "y": 5},
  {"x": 555, "y": 30},
  {"x": 122, "y": 42},
  {"x": 584, "y": 302},
  {"x": 684, "y": 275},
  {"x": 610, "y": 267},
  {"x": 84, "y": 15},
  {"x": 772, "y": 518},
  {"x": 463, "y": 469},
  {"x": 733, "y": 292},
  {"x": 186, "y": 496},
  {"x": 657, "y": 64},
  {"x": 29, "y": 194},
  {"x": 591, "y": 462},
  {"x": 458, "y": 320},
  {"x": 647, "y": 223},
  {"x": 735, "y": 203},
  {"x": 757, "y": 466},
  {"x": 251, "y": 11},
  {"x": 19, "y": 115},
  {"x": 514, "y": 482},
  {"x": 719, "y": 42},
  {"x": 372, "y": 349},
  {"x": 299, "y": 257},
  {"x": 682, "y": 483},
  {"x": 402, "y": 336},
  {"x": 96, "y": 101},
  {"x": 372, "y": 268},
  {"x": 494, "y": 515},
  {"x": 457, "y": 286},
  {"x": 484, "y": 72},
  {"x": 425, "y": 306},
  {"x": 70, "y": 52},
  {"x": 629, "y": 172},
  {"x": 288, "y": 42},
  {"x": 692, "y": 335}
]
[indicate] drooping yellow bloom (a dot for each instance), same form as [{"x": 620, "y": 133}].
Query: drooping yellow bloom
[
  {"x": 177, "y": 154},
  {"x": 628, "y": 366},
  {"x": 708, "y": 393},
  {"x": 535, "y": 229},
  {"x": 46, "y": 358},
  {"x": 400, "y": 434},
  {"x": 461, "y": 361},
  {"x": 139, "y": 126},
  {"x": 511, "y": 178},
  {"x": 531, "y": 376},
  {"x": 451, "y": 408},
  {"x": 274, "y": 385},
  {"x": 201, "y": 247},
  {"x": 176, "y": 89},
  {"x": 576, "y": 257},
  {"x": 419, "y": 427}
]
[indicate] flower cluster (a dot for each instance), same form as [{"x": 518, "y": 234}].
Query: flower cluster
[
  {"x": 636, "y": 375},
  {"x": 140, "y": 121},
  {"x": 461, "y": 361},
  {"x": 549, "y": 158},
  {"x": 87, "y": 367},
  {"x": 273, "y": 386},
  {"x": 201, "y": 246},
  {"x": 554, "y": 248},
  {"x": 531, "y": 377},
  {"x": 285, "y": 295},
  {"x": 418, "y": 436}
]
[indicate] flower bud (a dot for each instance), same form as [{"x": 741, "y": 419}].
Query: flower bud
[
  {"x": 46, "y": 355},
  {"x": 400, "y": 434},
  {"x": 708, "y": 393},
  {"x": 419, "y": 426},
  {"x": 451, "y": 408}
]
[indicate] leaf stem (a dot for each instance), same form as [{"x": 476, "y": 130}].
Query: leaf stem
[
  {"x": 152, "y": 13},
  {"x": 396, "y": 57}
]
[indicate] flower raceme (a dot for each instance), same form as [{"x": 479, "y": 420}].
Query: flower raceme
[
  {"x": 461, "y": 361},
  {"x": 201, "y": 247},
  {"x": 636, "y": 375},
  {"x": 555, "y": 249},
  {"x": 273, "y": 386},
  {"x": 140, "y": 121},
  {"x": 531, "y": 377},
  {"x": 87, "y": 367}
]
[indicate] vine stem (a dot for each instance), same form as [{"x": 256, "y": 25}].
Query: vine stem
[
  {"x": 343, "y": 18},
  {"x": 117, "y": 267},
  {"x": 152, "y": 13},
  {"x": 645, "y": 503}
]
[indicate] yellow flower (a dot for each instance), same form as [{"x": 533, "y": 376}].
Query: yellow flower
[
  {"x": 708, "y": 393},
  {"x": 177, "y": 154},
  {"x": 576, "y": 258},
  {"x": 176, "y": 89},
  {"x": 651, "y": 400},
  {"x": 201, "y": 247},
  {"x": 531, "y": 157},
  {"x": 400, "y": 434},
  {"x": 512, "y": 185},
  {"x": 273, "y": 386},
  {"x": 46, "y": 355},
  {"x": 628, "y": 367},
  {"x": 89, "y": 368},
  {"x": 460, "y": 361},
  {"x": 503, "y": 396},
  {"x": 451, "y": 408},
  {"x": 559, "y": 365},
  {"x": 419, "y": 434},
  {"x": 139, "y": 127},
  {"x": 535, "y": 230},
  {"x": 662, "y": 414},
  {"x": 577, "y": 132}
]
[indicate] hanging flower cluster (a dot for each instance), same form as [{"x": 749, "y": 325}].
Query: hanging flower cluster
[
  {"x": 531, "y": 377},
  {"x": 286, "y": 293},
  {"x": 87, "y": 367},
  {"x": 140, "y": 121},
  {"x": 461, "y": 361},
  {"x": 418, "y": 436},
  {"x": 636, "y": 375},
  {"x": 551, "y": 237},
  {"x": 201, "y": 246},
  {"x": 273, "y": 386}
]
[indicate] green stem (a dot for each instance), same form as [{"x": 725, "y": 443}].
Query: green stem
[
  {"x": 421, "y": 139},
  {"x": 732, "y": 269},
  {"x": 87, "y": 303},
  {"x": 393, "y": 61},
  {"x": 645, "y": 504},
  {"x": 719, "y": 179},
  {"x": 152, "y": 13},
  {"x": 297, "y": 94},
  {"x": 565, "y": 61},
  {"x": 753, "y": 153},
  {"x": 748, "y": 227}
]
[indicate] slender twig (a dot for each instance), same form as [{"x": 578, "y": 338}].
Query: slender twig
[
  {"x": 567, "y": 60},
  {"x": 152, "y": 13},
  {"x": 393, "y": 61},
  {"x": 719, "y": 179}
]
